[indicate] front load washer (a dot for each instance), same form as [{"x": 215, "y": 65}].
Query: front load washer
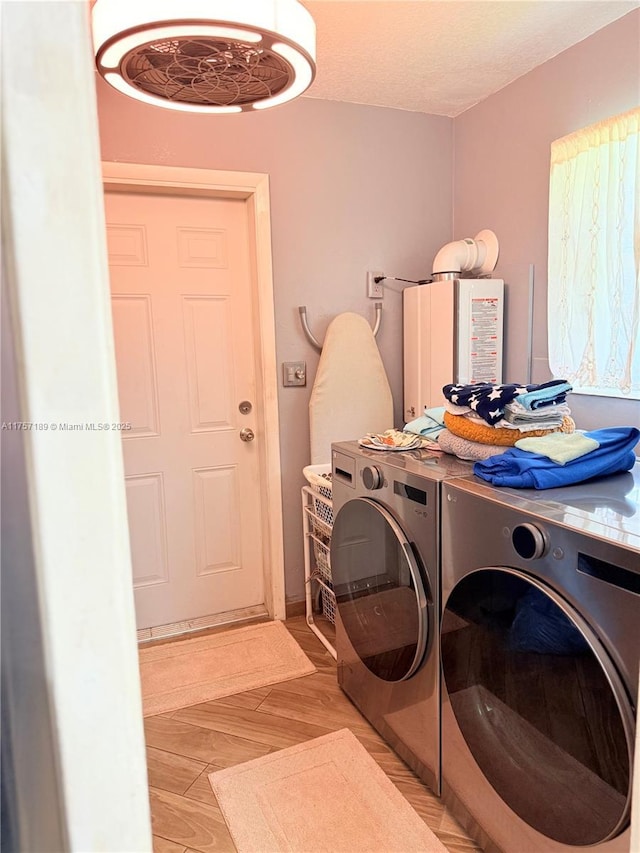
[
  {"x": 385, "y": 565},
  {"x": 540, "y": 652}
]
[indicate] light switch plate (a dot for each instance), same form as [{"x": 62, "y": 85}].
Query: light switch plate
[{"x": 294, "y": 373}]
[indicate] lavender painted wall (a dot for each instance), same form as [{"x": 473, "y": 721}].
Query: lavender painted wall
[
  {"x": 501, "y": 181},
  {"x": 357, "y": 188},
  {"x": 353, "y": 188}
]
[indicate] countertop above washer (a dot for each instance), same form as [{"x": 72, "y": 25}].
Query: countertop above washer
[{"x": 608, "y": 508}]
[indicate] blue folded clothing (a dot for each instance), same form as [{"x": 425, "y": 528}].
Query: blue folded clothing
[
  {"x": 545, "y": 395},
  {"x": 520, "y": 469}
]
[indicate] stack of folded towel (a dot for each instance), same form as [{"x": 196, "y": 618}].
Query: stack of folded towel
[{"x": 483, "y": 420}]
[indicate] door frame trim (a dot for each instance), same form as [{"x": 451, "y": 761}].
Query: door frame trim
[{"x": 253, "y": 187}]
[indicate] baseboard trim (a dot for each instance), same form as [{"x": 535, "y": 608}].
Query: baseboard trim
[{"x": 295, "y": 608}]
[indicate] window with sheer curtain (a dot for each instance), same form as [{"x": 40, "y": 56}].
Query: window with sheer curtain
[{"x": 594, "y": 258}]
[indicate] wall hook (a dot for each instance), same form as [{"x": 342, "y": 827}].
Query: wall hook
[{"x": 315, "y": 343}]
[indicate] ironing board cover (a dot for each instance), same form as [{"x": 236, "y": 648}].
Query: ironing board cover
[{"x": 351, "y": 394}]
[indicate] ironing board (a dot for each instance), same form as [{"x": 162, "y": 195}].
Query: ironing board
[
  {"x": 350, "y": 397},
  {"x": 351, "y": 394}
]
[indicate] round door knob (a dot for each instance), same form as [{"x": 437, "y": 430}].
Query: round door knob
[
  {"x": 372, "y": 478},
  {"x": 247, "y": 434}
]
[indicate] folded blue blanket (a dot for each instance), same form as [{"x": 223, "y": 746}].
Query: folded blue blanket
[
  {"x": 548, "y": 394},
  {"x": 520, "y": 469}
]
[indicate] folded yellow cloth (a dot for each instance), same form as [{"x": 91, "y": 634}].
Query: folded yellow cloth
[
  {"x": 559, "y": 447},
  {"x": 485, "y": 434}
]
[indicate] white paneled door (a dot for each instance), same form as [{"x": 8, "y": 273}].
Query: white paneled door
[{"x": 180, "y": 272}]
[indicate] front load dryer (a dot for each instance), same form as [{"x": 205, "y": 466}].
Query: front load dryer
[
  {"x": 540, "y": 653},
  {"x": 385, "y": 567}
]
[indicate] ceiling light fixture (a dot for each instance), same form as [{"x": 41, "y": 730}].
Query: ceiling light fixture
[{"x": 210, "y": 56}]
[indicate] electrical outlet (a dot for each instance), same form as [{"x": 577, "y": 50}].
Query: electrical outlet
[{"x": 375, "y": 289}]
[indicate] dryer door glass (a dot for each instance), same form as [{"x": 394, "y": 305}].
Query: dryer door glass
[
  {"x": 540, "y": 705},
  {"x": 380, "y": 590}
]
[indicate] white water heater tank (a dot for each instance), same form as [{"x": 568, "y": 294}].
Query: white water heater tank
[{"x": 453, "y": 332}]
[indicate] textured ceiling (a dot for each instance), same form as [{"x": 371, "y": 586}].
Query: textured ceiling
[{"x": 442, "y": 56}]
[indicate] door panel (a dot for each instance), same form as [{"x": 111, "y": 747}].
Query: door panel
[
  {"x": 146, "y": 511},
  {"x": 180, "y": 280},
  {"x": 209, "y": 363},
  {"x": 137, "y": 383}
]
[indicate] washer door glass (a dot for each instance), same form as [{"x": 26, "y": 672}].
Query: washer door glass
[
  {"x": 379, "y": 589},
  {"x": 540, "y": 705}
]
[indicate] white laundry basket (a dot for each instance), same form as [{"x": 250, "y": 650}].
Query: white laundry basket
[{"x": 319, "y": 478}]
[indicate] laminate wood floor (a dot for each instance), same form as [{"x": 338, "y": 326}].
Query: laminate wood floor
[{"x": 184, "y": 746}]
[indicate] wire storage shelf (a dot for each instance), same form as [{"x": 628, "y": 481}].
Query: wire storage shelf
[
  {"x": 317, "y": 523},
  {"x": 322, "y": 554},
  {"x": 328, "y": 598}
]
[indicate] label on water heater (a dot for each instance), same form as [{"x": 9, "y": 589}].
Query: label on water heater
[
  {"x": 479, "y": 338},
  {"x": 484, "y": 339}
]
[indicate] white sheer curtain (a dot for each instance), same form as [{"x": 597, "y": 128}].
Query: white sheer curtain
[{"x": 594, "y": 258}]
